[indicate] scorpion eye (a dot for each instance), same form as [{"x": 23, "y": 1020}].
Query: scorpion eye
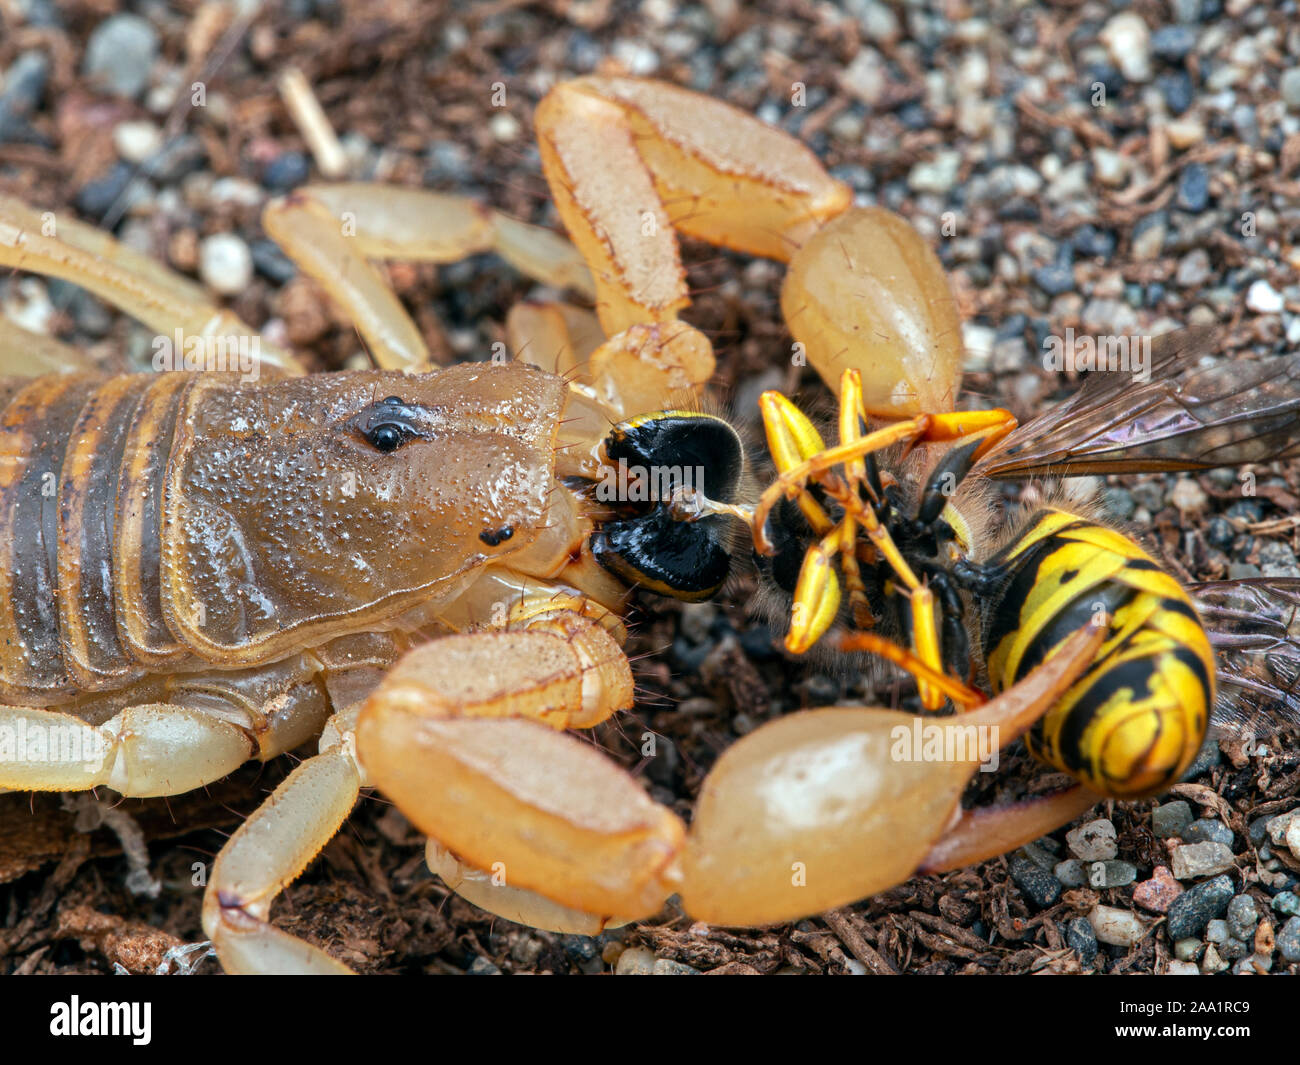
[{"x": 388, "y": 436}]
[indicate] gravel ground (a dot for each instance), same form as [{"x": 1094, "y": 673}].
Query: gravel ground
[{"x": 1089, "y": 166}]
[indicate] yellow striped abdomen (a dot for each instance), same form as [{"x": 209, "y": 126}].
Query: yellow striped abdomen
[{"x": 1132, "y": 724}]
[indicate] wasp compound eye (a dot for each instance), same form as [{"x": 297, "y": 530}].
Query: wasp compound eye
[{"x": 657, "y": 456}]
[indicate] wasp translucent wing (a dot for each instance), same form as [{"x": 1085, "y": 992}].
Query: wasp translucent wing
[
  {"x": 1184, "y": 416},
  {"x": 1254, "y": 627}
]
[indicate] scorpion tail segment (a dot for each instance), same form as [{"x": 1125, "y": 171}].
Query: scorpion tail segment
[
  {"x": 983, "y": 834},
  {"x": 267, "y": 853},
  {"x": 454, "y": 737},
  {"x": 866, "y": 292},
  {"x": 820, "y": 808}
]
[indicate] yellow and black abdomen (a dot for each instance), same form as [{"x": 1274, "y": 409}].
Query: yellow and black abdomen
[{"x": 1132, "y": 724}]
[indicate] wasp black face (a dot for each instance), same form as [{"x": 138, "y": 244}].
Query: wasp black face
[{"x": 655, "y": 462}]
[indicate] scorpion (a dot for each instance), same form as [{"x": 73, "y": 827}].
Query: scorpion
[{"x": 413, "y": 567}]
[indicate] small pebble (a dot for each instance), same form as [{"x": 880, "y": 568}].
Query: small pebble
[
  {"x": 1119, "y": 928},
  {"x": 1189, "y": 949},
  {"x": 1263, "y": 298},
  {"x": 1111, "y": 874},
  {"x": 635, "y": 961},
  {"x": 136, "y": 141},
  {"x": 1173, "y": 43},
  {"x": 1182, "y": 968},
  {"x": 1080, "y": 938},
  {"x": 1170, "y": 819},
  {"x": 286, "y": 171},
  {"x": 666, "y": 967},
  {"x": 1212, "y": 962},
  {"x": 1193, "y": 188},
  {"x": 1279, "y": 828},
  {"x": 1207, "y": 829},
  {"x": 1185, "y": 133},
  {"x": 1128, "y": 40},
  {"x": 1216, "y": 931},
  {"x": 225, "y": 263},
  {"x": 1233, "y": 949},
  {"x": 1193, "y": 269},
  {"x": 1191, "y": 911},
  {"x": 482, "y": 966},
  {"x": 1094, "y": 841},
  {"x": 1195, "y": 860},
  {"x": 1037, "y": 885},
  {"x": 1289, "y": 87},
  {"x": 1287, "y": 902},
  {"x": 1149, "y": 237},
  {"x": 1288, "y": 940},
  {"x": 1243, "y": 916},
  {"x": 120, "y": 54},
  {"x": 1158, "y": 893},
  {"x": 1253, "y": 965},
  {"x": 1071, "y": 872}
]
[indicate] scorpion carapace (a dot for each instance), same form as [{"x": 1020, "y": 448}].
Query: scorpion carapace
[{"x": 161, "y": 521}]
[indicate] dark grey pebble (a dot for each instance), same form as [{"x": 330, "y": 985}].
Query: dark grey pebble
[
  {"x": 286, "y": 171},
  {"x": 1286, "y": 902},
  {"x": 24, "y": 86},
  {"x": 1191, "y": 911},
  {"x": 1178, "y": 90},
  {"x": 1288, "y": 940},
  {"x": 1055, "y": 280},
  {"x": 1081, "y": 939},
  {"x": 1206, "y": 828},
  {"x": 271, "y": 262},
  {"x": 1038, "y": 885},
  {"x": 1243, "y": 916},
  {"x": 1193, "y": 188},
  {"x": 1093, "y": 242},
  {"x": 179, "y": 157},
  {"x": 1207, "y": 759},
  {"x": 1173, "y": 43}
]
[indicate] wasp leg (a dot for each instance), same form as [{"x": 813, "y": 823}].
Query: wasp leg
[
  {"x": 56, "y": 245},
  {"x": 334, "y": 232},
  {"x": 823, "y": 807},
  {"x": 463, "y": 736},
  {"x": 960, "y": 694},
  {"x": 27, "y": 354},
  {"x": 986, "y": 833}
]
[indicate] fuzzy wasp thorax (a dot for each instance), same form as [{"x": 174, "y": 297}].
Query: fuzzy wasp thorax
[{"x": 670, "y": 477}]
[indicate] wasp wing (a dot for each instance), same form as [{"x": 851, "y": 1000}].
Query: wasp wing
[
  {"x": 1182, "y": 417},
  {"x": 1254, "y": 626}
]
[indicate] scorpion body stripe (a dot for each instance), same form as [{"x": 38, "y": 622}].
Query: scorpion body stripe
[
  {"x": 1134, "y": 721},
  {"x": 88, "y": 494},
  {"x": 33, "y": 441},
  {"x": 142, "y": 628}
]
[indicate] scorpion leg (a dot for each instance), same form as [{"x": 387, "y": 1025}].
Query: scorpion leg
[
  {"x": 335, "y": 232},
  {"x": 27, "y": 354},
  {"x": 55, "y": 245},
  {"x": 152, "y": 749}
]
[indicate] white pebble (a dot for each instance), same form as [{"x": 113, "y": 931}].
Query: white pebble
[
  {"x": 1119, "y": 928},
  {"x": 504, "y": 127},
  {"x": 635, "y": 961},
  {"x": 1263, "y": 298},
  {"x": 1182, "y": 968},
  {"x": 136, "y": 141},
  {"x": 1128, "y": 40},
  {"x": 225, "y": 263},
  {"x": 1093, "y": 842}
]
